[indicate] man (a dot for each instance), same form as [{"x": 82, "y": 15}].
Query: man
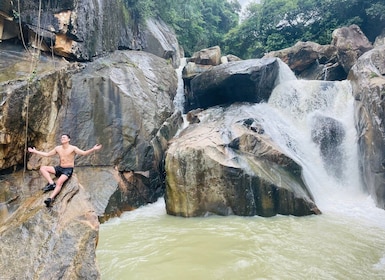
[{"x": 64, "y": 170}]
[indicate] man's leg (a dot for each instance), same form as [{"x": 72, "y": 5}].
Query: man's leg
[
  {"x": 59, "y": 184},
  {"x": 46, "y": 171}
]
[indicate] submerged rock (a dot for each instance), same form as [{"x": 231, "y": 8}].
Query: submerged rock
[{"x": 329, "y": 134}]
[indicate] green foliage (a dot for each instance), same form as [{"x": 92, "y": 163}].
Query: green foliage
[
  {"x": 199, "y": 23},
  {"x": 269, "y": 25},
  {"x": 276, "y": 24},
  {"x": 140, "y": 9}
]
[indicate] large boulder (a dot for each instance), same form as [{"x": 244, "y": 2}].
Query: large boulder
[
  {"x": 311, "y": 61},
  {"x": 51, "y": 243},
  {"x": 350, "y": 43},
  {"x": 239, "y": 81},
  {"x": 161, "y": 40},
  {"x": 368, "y": 83},
  {"x": 209, "y": 56},
  {"x": 228, "y": 167}
]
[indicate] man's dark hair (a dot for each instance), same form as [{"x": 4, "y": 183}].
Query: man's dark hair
[{"x": 66, "y": 134}]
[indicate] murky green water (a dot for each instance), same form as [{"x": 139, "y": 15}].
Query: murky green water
[{"x": 149, "y": 244}]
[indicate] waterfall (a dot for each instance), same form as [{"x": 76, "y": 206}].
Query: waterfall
[
  {"x": 179, "y": 97},
  {"x": 313, "y": 123}
]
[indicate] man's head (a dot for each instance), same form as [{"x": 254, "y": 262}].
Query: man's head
[{"x": 65, "y": 138}]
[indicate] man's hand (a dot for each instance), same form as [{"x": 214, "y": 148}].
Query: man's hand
[
  {"x": 97, "y": 147},
  {"x": 31, "y": 150}
]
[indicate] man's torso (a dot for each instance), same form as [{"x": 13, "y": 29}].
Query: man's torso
[{"x": 67, "y": 155}]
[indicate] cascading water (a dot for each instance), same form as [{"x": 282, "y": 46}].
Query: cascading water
[
  {"x": 179, "y": 97},
  {"x": 312, "y": 122}
]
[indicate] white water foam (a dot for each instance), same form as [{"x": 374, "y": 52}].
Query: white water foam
[{"x": 290, "y": 118}]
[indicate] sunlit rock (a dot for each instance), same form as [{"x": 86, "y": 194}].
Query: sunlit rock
[
  {"x": 31, "y": 92},
  {"x": 209, "y": 56},
  {"x": 83, "y": 30}
]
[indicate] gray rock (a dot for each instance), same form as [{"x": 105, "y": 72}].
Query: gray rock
[
  {"x": 51, "y": 243},
  {"x": 329, "y": 134},
  {"x": 222, "y": 168},
  {"x": 239, "y": 81},
  {"x": 368, "y": 84},
  {"x": 311, "y": 61},
  {"x": 210, "y": 56},
  {"x": 161, "y": 41},
  {"x": 351, "y": 43}
]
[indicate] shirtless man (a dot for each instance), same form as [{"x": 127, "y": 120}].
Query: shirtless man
[{"x": 64, "y": 171}]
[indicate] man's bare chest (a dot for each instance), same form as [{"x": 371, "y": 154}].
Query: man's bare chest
[{"x": 66, "y": 153}]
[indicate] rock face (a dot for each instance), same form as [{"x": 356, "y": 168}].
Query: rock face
[
  {"x": 368, "y": 82},
  {"x": 51, "y": 243},
  {"x": 123, "y": 101},
  {"x": 230, "y": 167},
  {"x": 83, "y": 30},
  {"x": 45, "y": 87},
  {"x": 249, "y": 81}
]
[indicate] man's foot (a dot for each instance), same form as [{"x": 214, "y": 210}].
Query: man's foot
[
  {"x": 48, "y": 202},
  {"x": 49, "y": 187}
]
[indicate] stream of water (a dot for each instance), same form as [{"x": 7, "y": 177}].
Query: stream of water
[{"x": 346, "y": 242}]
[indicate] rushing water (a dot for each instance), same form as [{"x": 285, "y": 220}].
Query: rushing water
[{"x": 346, "y": 242}]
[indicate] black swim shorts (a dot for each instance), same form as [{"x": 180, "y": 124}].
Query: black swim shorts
[{"x": 63, "y": 171}]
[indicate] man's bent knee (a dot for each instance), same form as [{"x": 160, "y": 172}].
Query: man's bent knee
[{"x": 48, "y": 169}]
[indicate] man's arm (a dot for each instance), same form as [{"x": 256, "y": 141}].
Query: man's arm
[
  {"x": 43, "y": 154},
  {"x": 87, "y": 152}
]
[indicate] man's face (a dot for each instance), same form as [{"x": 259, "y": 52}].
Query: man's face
[{"x": 64, "y": 139}]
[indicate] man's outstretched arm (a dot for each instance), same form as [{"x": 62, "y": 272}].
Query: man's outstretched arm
[
  {"x": 40, "y": 153},
  {"x": 87, "y": 152}
]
